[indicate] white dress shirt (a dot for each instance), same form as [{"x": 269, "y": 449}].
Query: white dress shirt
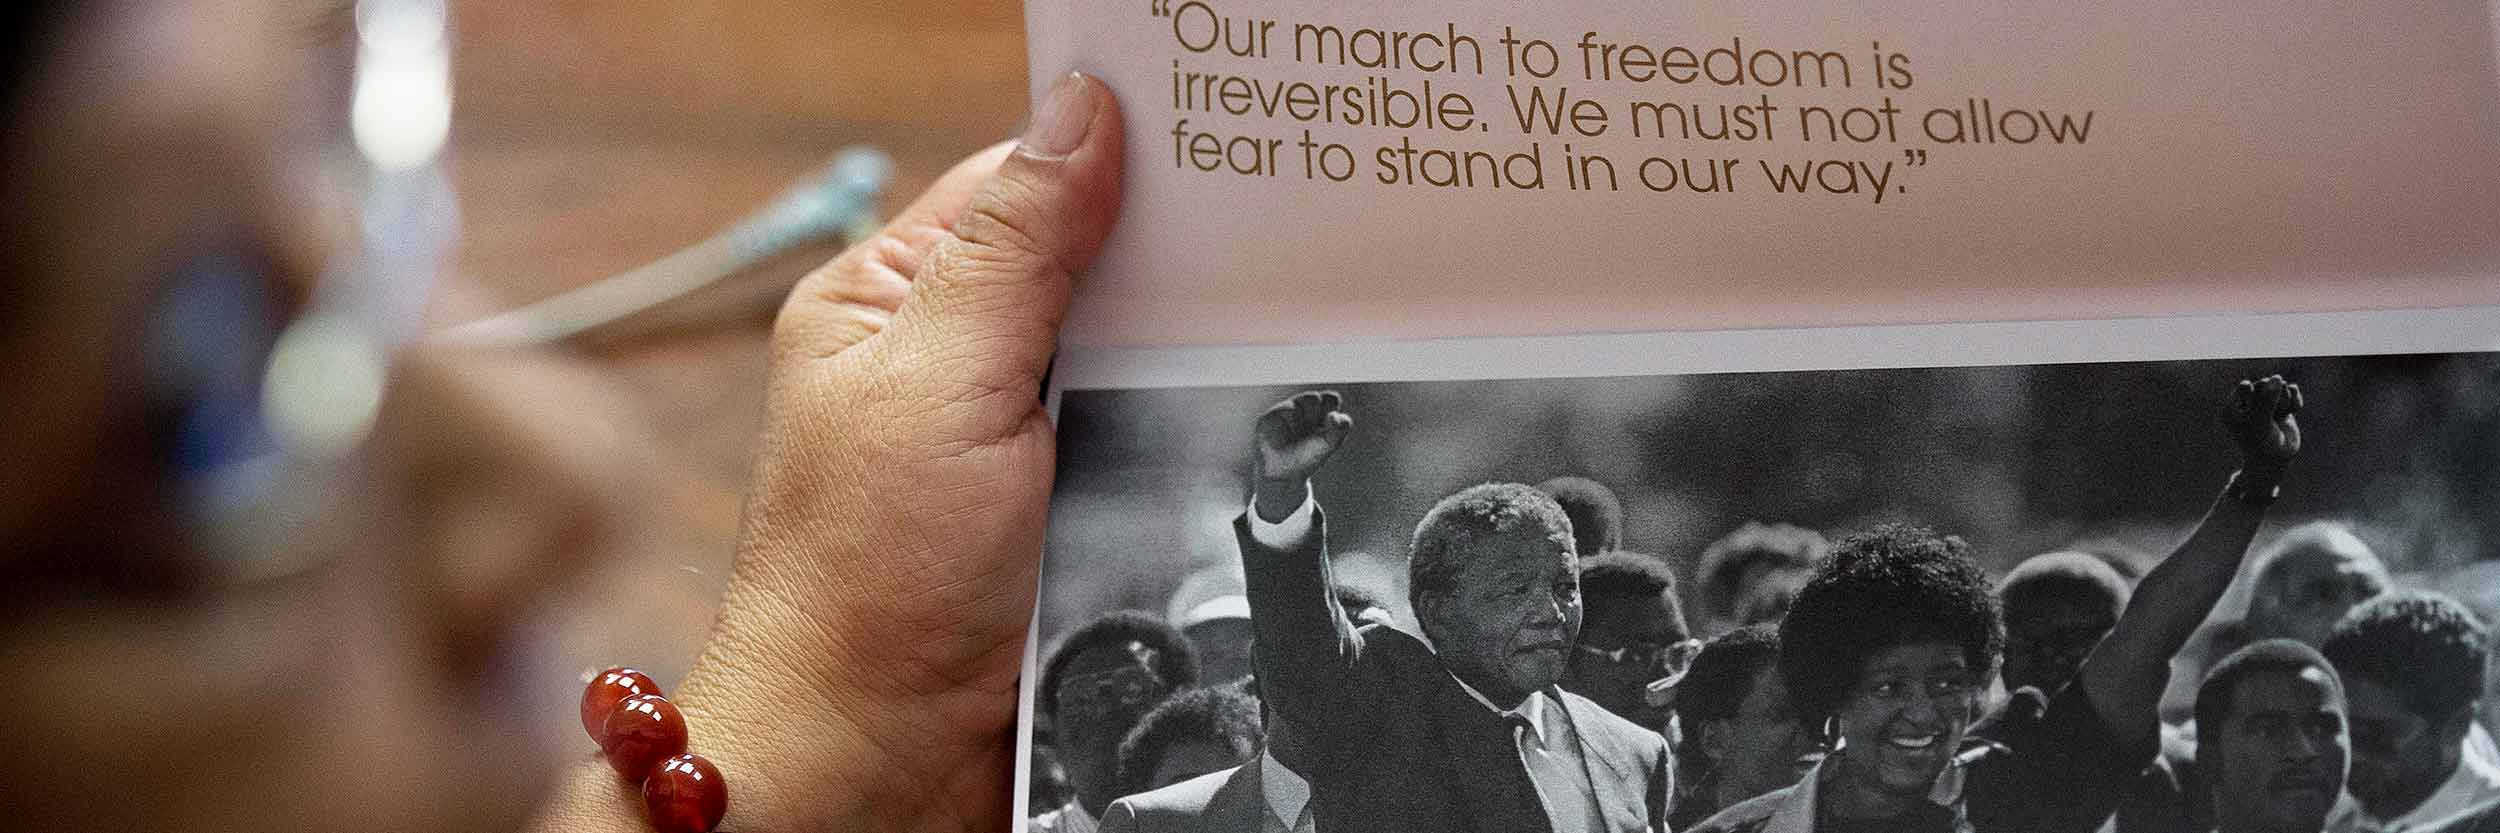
[
  {"x": 1287, "y": 796},
  {"x": 1288, "y": 533}
]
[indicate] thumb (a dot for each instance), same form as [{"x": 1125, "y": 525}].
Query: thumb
[{"x": 987, "y": 303}]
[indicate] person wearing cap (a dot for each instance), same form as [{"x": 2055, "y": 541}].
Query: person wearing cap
[{"x": 1210, "y": 609}]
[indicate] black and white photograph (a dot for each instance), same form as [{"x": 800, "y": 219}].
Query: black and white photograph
[{"x": 2142, "y": 596}]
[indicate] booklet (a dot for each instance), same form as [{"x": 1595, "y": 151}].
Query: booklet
[{"x": 1715, "y": 300}]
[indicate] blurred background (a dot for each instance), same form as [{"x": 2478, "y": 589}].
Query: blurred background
[
  {"x": 2116, "y": 459},
  {"x": 592, "y": 136}
]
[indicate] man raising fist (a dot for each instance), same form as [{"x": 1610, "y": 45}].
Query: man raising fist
[{"x": 1468, "y": 732}]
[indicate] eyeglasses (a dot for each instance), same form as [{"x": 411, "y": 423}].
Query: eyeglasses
[
  {"x": 1670, "y": 660},
  {"x": 1102, "y": 693}
]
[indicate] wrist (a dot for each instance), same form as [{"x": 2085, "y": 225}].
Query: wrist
[
  {"x": 665, "y": 760},
  {"x": 589, "y": 798},
  {"x": 1276, "y": 499},
  {"x": 777, "y": 734},
  {"x": 2254, "y": 486}
]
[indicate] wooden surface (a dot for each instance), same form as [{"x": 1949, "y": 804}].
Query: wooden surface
[{"x": 592, "y": 136}]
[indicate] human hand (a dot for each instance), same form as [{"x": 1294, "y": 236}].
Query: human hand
[
  {"x": 1294, "y": 439},
  {"x": 862, "y": 674},
  {"x": 2262, "y": 426}
]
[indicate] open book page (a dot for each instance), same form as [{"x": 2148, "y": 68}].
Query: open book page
[
  {"x": 1942, "y": 416},
  {"x": 1308, "y": 171}
]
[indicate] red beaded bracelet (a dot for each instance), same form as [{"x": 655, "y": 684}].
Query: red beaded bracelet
[{"x": 644, "y": 738}]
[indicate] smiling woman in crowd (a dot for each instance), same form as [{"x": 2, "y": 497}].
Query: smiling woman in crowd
[{"x": 1891, "y": 645}]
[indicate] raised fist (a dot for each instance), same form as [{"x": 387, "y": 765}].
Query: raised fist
[
  {"x": 1297, "y": 435},
  {"x": 2260, "y": 421}
]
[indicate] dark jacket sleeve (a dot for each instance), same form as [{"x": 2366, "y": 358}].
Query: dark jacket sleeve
[
  {"x": 2061, "y": 771},
  {"x": 1308, "y": 655}
]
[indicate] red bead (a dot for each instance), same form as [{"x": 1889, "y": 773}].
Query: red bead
[
  {"x": 608, "y": 689},
  {"x": 643, "y": 730},
  {"x": 685, "y": 795}
]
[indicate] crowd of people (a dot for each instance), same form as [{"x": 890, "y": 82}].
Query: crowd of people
[{"x": 1548, "y": 679}]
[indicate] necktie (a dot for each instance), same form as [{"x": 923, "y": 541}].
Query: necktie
[{"x": 1551, "y": 774}]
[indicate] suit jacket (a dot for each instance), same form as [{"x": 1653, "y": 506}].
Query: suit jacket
[
  {"x": 1225, "y": 801},
  {"x": 1393, "y": 742}
]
